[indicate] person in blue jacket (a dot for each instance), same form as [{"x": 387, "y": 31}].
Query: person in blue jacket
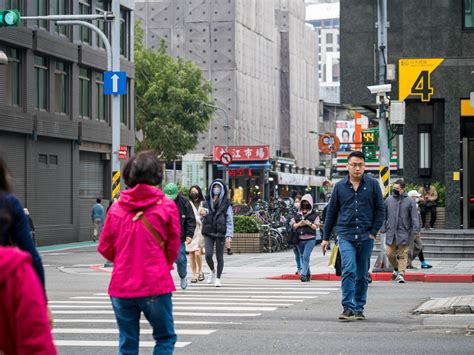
[{"x": 14, "y": 225}]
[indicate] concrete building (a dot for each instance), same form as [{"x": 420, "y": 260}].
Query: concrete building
[
  {"x": 324, "y": 17},
  {"x": 438, "y": 137},
  {"x": 261, "y": 59},
  {"x": 55, "y": 124}
]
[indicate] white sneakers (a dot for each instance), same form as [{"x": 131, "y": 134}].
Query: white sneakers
[
  {"x": 211, "y": 278},
  {"x": 218, "y": 283}
]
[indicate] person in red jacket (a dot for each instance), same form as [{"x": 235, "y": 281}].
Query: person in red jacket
[
  {"x": 141, "y": 236},
  {"x": 24, "y": 325}
]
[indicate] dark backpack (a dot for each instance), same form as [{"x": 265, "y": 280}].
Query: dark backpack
[{"x": 5, "y": 222}]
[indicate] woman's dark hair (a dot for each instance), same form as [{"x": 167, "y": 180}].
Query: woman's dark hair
[
  {"x": 5, "y": 177},
  {"x": 356, "y": 154},
  {"x": 345, "y": 131},
  {"x": 200, "y": 195},
  {"x": 298, "y": 197},
  {"x": 143, "y": 168}
]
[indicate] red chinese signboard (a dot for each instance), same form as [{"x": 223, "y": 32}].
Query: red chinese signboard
[
  {"x": 122, "y": 153},
  {"x": 243, "y": 152},
  {"x": 243, "y": 172}
]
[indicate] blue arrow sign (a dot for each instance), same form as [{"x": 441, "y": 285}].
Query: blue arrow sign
[{"x": 115, "y": 83}]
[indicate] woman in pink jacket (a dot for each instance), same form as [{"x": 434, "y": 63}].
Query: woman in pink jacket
[
  {"x": 24, "y": 325},
  {"x": 141, "y": 236}
]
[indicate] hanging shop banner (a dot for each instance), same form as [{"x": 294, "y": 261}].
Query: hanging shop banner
[
  {"x": 415, "y": 77},
  {"x": 243, "y": 152}
]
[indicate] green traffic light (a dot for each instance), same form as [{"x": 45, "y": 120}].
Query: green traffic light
[{"x": 9, "y": 18}]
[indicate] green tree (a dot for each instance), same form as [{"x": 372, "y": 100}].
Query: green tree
[{"x": 171, "y": 96}]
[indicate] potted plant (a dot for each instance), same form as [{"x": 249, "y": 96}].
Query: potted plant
[{"x": 247, "y": 236}]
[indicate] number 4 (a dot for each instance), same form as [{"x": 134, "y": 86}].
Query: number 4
[{"x": 421, "y": 87}]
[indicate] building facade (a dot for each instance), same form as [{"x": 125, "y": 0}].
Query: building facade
[
  {"x": 55, "y": 124},
  {"x": 261, "y": 59},
  {"x": 437, "y": 140}
]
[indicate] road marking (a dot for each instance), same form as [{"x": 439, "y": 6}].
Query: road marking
[
  {"x": 224, "y": 289},
  {"x": 98, "y": 304},
  {"x": 200, "y": 308},
  {"x": 262, "y": 287},
  {"x": 213, "y": 295},
  {"x": 192, "y": 314},
  {"x": 113, "y": 320},
  {"x": 116, "y": 331},
  {"x": 221, "y": 291},
  {"x": 114, "y": 344}
]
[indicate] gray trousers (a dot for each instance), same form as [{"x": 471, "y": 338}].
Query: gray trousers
[{"x": 416, "y": 246}]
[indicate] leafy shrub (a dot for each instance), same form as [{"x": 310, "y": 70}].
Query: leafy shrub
[{"x": 246, "y": 224}]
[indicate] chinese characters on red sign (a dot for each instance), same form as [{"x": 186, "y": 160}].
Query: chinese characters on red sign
[
  {"x": 244, "y": 152},
  {"x": 240, "y": 172}
]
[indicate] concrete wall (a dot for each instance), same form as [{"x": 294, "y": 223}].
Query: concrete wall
[{"x": 238, "y": 45}]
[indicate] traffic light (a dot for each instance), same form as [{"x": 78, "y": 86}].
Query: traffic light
[
  {"x": 369, "y": 143},
  {"x": 9, "y": 18}
]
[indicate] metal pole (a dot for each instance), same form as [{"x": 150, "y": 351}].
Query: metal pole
[
  {"x": 382, "y": 263},
  {"x": 107, "y": 16},
  {"x": 104, "y": 38},
  {"x": 226, "y": 127},
  {"x": 115, "y": 109}
]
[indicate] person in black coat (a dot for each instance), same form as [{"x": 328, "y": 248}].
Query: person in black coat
[{"x": 188, "y": 225}]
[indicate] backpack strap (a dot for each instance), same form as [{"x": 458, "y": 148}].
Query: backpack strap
[{"x": 141, "y": 216}]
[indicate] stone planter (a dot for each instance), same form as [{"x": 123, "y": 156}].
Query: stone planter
[
  {"x": 247, "y": 243},
  {"x": 440, "y": 218}
]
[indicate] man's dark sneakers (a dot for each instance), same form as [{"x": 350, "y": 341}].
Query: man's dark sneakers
[
  {"x": 359, "y": 316},
  {"x": 346, "y": 316}
]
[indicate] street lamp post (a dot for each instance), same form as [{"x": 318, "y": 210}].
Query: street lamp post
[{"x": 226, "y": 128}]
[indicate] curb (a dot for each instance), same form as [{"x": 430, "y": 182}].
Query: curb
[
  {"x": 387, "y": 276},
  {"x": 100, "y": 268}
]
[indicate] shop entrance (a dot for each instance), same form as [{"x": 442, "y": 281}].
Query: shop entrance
[{"x": 468, "y": 182}]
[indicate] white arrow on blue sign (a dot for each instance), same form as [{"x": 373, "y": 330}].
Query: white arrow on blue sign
[{"x": 115, "y": 83}]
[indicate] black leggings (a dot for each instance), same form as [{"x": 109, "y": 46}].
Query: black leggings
[{"x": 209, "y": 245}]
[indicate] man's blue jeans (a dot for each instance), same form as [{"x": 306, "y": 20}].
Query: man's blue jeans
[
  {"x": 306, "y": 248},
  {"x": 355, "y": 266},
  {"x": 182, "y": 262},
  {"x": 158, "y": 310},
  {"x": 296, "y": 250}
]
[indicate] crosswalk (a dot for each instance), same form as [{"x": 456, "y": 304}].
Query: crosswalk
[{"x": 87, "y": 322}]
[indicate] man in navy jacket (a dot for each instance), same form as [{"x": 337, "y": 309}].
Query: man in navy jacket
[{"x": 358, "y": 212}]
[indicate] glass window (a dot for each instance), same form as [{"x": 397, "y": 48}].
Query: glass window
[
  {"x": 42, "y": 10},
  {"x": 328, "y": 38},
  {"x": 124, "y": 33},
  {"x": 43, "y": 158},
  {"x": 102, "y": 106},
  {"x": 61, "y": 88},
  {"x": 85, "y": 9},
  {"x": 329, "y": 49},
  {"x": 14, "y": 77},
  {"x": 100, "y": 7},
  {"x": 62, "y": 8},
  {"x": 41, "y": 83},
  {"x": 124, "y": 106},
  {"x": 84, "y": 93},
  {"x": 14, "y": 5},
  {"x": 53, "y": 159}
]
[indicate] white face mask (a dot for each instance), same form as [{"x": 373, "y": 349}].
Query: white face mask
[
  {"x": 417, "y": 200},
  {"x": 297, "y": 205}
]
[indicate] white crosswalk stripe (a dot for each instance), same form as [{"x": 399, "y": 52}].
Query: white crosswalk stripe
[{"x": 201, "y": 310}]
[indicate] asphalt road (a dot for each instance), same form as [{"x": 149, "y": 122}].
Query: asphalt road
[{"x": 254, "y": 315}]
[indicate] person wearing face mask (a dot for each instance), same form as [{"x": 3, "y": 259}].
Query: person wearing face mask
[
  {"x": 194, "y": 248},
  {"x": 308, "y": 232},
  {"x": 293, "y": 216},
  {"x": 188, "y": 226},
  {"x": 217, "y": 226},
  {"x": 416, "y": 250},
  {"x": 401, "y": 220}
]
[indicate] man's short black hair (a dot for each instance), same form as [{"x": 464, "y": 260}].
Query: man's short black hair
[
  {"x": 401, "y": 183},
  {"x": 98, "y": 200},
  {"x": 143, "y": 168},
  {"x": 356, "y": 154}
]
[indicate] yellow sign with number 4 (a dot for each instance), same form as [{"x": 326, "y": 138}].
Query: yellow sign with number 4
[{"x": 415, "y": 77}]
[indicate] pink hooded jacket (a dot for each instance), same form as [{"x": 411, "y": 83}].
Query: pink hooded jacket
[
  {"x": 24, "y": 326},
  {"x": 141, "y": 268}
]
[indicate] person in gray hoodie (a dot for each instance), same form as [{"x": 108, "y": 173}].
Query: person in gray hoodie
[
  {"x": 401, "y": 221},
  {"x": 217, "y": 226}
]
